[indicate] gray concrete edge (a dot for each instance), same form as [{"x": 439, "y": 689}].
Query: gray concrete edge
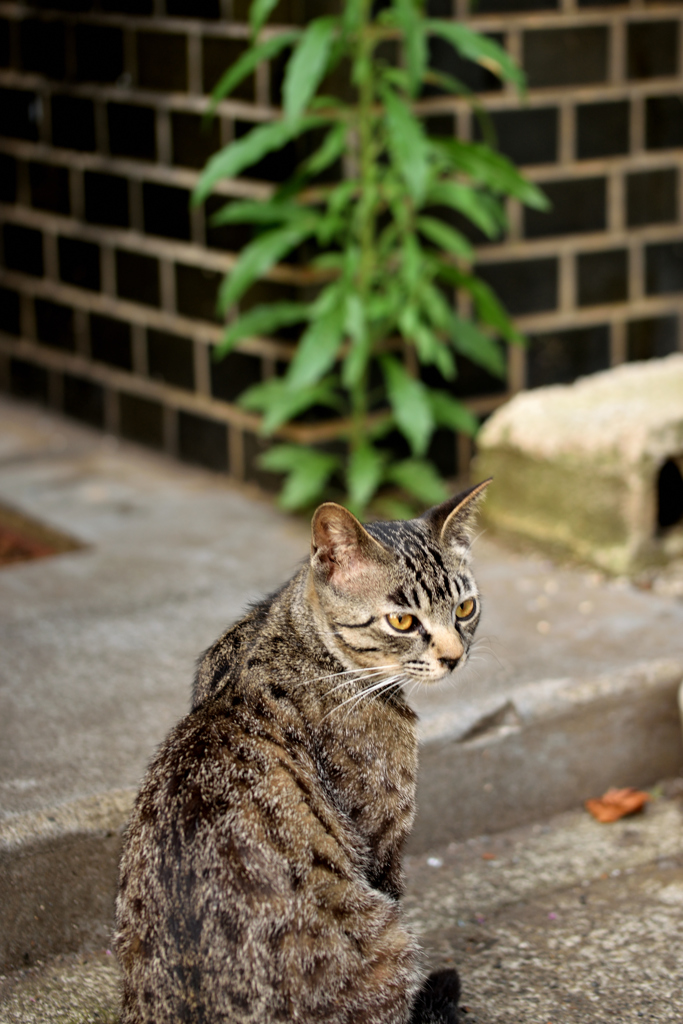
[{"x": 479, "y": 774}]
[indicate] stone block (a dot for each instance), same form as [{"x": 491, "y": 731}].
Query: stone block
[{"x": 592, "y": 469}]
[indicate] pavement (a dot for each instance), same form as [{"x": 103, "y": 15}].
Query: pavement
[{"x": 572, "y": 686}]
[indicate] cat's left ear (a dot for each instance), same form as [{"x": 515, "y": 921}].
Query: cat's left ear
[
  {"x": 341, "y": 548},
  {"x": 453, "y": 521}
]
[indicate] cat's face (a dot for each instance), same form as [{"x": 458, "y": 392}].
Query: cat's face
[{"x": 397, "y": 598}]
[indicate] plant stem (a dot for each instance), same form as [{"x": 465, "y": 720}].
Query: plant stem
[{"x": 366, "y": 214}]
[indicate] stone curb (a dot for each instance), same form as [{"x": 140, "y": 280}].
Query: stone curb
[
  {"x": 479, "y": 774},
  {"x": 545, "y": 748}
]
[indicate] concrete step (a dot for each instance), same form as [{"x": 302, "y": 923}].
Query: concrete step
[
  {"x": 564, "y": 921},
  {"x": 572, "y": 687}
]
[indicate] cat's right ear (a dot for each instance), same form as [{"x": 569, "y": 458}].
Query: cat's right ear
[{"x": 341, "y": 548}]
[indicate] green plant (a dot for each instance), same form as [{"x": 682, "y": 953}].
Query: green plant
[{"x": 388, "y": 260}]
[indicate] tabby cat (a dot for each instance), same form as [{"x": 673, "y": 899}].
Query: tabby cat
[{"x": 261, "y": 876}]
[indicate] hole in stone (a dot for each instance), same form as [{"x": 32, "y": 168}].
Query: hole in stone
[
  {"x": 670, "y": 494},
  {"x": 22, "y": 539}
]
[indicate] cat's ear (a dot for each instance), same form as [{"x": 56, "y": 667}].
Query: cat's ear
[
  {"x": 453, "y": 521},
  {"x": 341, "y": 547}
]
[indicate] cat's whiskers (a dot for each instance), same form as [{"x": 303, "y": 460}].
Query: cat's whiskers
[{"x": 383, "y": 684}]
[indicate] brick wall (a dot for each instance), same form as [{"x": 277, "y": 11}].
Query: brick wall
[{"x": 108, "y": 282}]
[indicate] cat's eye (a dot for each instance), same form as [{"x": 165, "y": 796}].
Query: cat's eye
[
  {"x": 466, "y": 609},
  {"x": 401, "y": 622}
]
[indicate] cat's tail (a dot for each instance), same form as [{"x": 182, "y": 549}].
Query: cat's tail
[{"x": 437, "y": 1000}]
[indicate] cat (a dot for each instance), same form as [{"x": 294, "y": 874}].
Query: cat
[{"x": 261, "y": 878}]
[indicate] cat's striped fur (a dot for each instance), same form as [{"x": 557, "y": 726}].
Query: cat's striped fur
[{"x": 261, "y": 874}]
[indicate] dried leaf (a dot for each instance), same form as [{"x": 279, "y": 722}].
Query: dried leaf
[{"x": 616, "y": 803}]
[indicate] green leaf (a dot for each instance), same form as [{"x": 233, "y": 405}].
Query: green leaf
[
  {"x": 307, "y": 65},
  {"x": 233, "y": 159},
  {"x": 407, "y": 144},
  {"x": 487, "y": 167},
  {"x": 478, "y": 48},
  {"x": 249, "y": 211},
  {"x": 364, "y": 474},
  {"x": 259, "y": 12},
  {"x": 261, "y": 320},
  {"x": 419, "y": 477},
  {"x": 317, "y": 349},
  {"x": 449, "y": 412},
  {"x": 333, "y": 146},
  {"x": 355, "y": 324},
  {"x": 308, "y": 472},
  {"x": 409, "y": 400},
  {"x": 478, "y": 347},
  {"x": 278, "y": 404},
  {"x": 258, "y": 257},
  {"x": 412, "y": 26},
  {"x": 446, "y": 237},
  {"x": 248, "y": 62},
  {"x": 468, "y": 201},
  {"x": 491, "y": 311}
]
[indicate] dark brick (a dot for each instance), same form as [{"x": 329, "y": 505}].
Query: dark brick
[
  {"x": 232, "y": 237},
  {"x": 525, "y": 136},
  {"x": 170, "y": 358},
  {"x": 166, "y": 210},
  {"x": 197, "y": 291},
  {"x": 141, "y": 420},
  {"x": 137, "y": 277},
  {"x": 131, "y": 131},
  {"x": 193, "y": 143},
  {"x": 8, "y": 178},
  {"x": 578, "y": 205},
  {"x": 55, "y": 325},
  {"x": 99, "y": 53},
  {"x": 73, "y": 123},
  {"x": 652, "y": 49},
  {"x": 440, "y": 125},
  {"x": 566, "y": 56},
  {"x": 203, "y": 441},
  {"x": 602, "y": 277},
  {"x": 443, "y": 452},
  {"x": 106, "y": 199},
  {"x": 18, "y": 114},
  {"x": 69, "y": 6},
  {"x": 255, "y": 446},
  {"x": 26, "y": 380},
  {"x": 652, "y": 339},
  {"x": 110, "y": 341},
  {"x": 219, "y": 55},
  {"x": 651, "y": 197},
  {"x": 79, "y": 263},
  {"x": 193, "y": 8},
  {"x": 4, "y": 43},
  {"x": 524, "y": 286},
  {"x": 559, "y": 357},
  {"x": 233, "y": 374},
  {"x": 84, "y": 400},
  {"x": 49, "y": 187},
  {"x": 10, "y": 312},
  {"x": 128, "y": 6},
  {"x": 602, "y": 129},
  {"x": 510, "y": 6},
  {"x": 664, "y": 268},
  {"x": 23, "y": 249},
  {"x": 664, "y": 122},
  {"x": 162, "y": 61},
  {"x": 42, "y": 47}
]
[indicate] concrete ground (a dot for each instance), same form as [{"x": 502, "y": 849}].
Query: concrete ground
[
  {"x": 561, "y": 922},
  {"x": 572, "y": 688}
]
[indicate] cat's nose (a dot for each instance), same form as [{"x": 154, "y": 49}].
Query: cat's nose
[{"x": 449, "y": 663}]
